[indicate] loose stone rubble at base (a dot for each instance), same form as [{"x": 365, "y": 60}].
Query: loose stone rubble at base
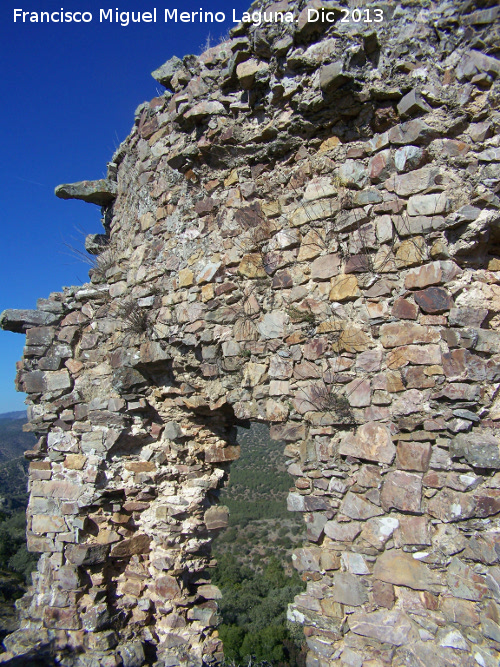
[{"x": 304, "y": 230}]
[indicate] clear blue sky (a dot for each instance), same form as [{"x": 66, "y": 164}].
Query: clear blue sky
[{"x": 68, "y": 97}]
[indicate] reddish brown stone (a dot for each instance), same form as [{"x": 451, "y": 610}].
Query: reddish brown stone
[
  {"x": 403, "y": 491},
  {"x": 413, "y": 455},
  {"x": 225, "y": 288},
  {"x": 56, "y": 489},
  {"x": 44, "y": 523},
  {"x": 430, "y": 601},
  {"x": 358, "y": 393},
  {"x": 325, "y": 267},
  {"x": 393, "y": 382},
  {"x": 437, "y": 424},
  {"x": 454, "y": 364},
  {"x": 306, "y": 370},
  {"x": 434, "y": 300},
  {"x": 315, "y": 348},
  {"x": 215, "y": 454},
  {"x": 73, "y": 366},
  {"x": 372, "y": 442},
  {"x": 370, "y": 360},
  {"x": 135, "y": 506},
  {"x": 76, "y": 318},
  {"x": 139, "y": 544},
  {"x": 383, "y": 594},
  {"x": 483, "y": 549},
  {"x": 140, "y": 466},
  {"x": 384, "y": 117},
  {"x": 464, "y": 583},
  {"x": 433, "y": 273},
  {"x": 167, "y": 587},
  {"x": 369, "y": 476},
  {"x": 459, "y": 611},
  {"x": 416, "y": 378},
  {"x": 68, "y": 578},
  {"x": 459, "y": 392},
  {"x": 204, "y": 206},
  {"x": 357, "y": 264},
  {"x": 380, "y": 166},
  {"x": 58, "y": 618},
  {"x": 455, "y": 148},
  {"x": 401, "y": 569},
  {"x": 395, "y": 334},
  {"x": 39, "y": 544},
  {"x": 279, "y": 368},
  {"x": 404, "y": 309},
  {"x": 376, "y": 413},
  {"x": 413, "y": 530},
  {"x": 147, "y": 126},
  {"x": 487, "y": 503}
]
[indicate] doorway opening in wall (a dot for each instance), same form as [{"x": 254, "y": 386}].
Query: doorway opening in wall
[{"x": 254, "y": 558}]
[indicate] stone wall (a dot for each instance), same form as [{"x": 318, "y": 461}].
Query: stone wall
[{"x": 304, "y": 230}]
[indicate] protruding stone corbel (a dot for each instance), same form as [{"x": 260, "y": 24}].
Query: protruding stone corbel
[
  {"x": 96, "y": 243},
  {"x": 19, "y": 321},
  {"x": 101, "y": 192},
  {"x": 165, "y": 73}
]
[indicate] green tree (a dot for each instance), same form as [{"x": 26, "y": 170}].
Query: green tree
[
  {"x": 232, "y": 636},
  {"x": 275, "y": 574},
  {"x": 266, "y": 644},
  {"x": 13, "y": 553},
  {"x": 253, "y": 610}
]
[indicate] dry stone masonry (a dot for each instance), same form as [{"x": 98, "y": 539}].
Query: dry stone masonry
[{"x": 303, "y": 230}]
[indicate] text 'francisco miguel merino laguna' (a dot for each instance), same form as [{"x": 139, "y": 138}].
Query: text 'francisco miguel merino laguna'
[{"x": 168, "y": 15}]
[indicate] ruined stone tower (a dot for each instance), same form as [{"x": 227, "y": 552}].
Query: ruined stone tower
[{"x": 304, "y": 230}]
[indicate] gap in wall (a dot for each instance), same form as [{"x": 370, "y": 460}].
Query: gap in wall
[{"x": 254, "y": 556}]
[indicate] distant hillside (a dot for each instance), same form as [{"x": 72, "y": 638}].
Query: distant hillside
[
  {"x": 258, "y": 483},
  {"x": 13, "y": 441},
  {"x": 15, "y": 562},
  {"x": 13, "y": 466},
  {"x": 17, "y": 414},
  {"x": 260, "y": 526},
  {"x": 14, "y": 484}
]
